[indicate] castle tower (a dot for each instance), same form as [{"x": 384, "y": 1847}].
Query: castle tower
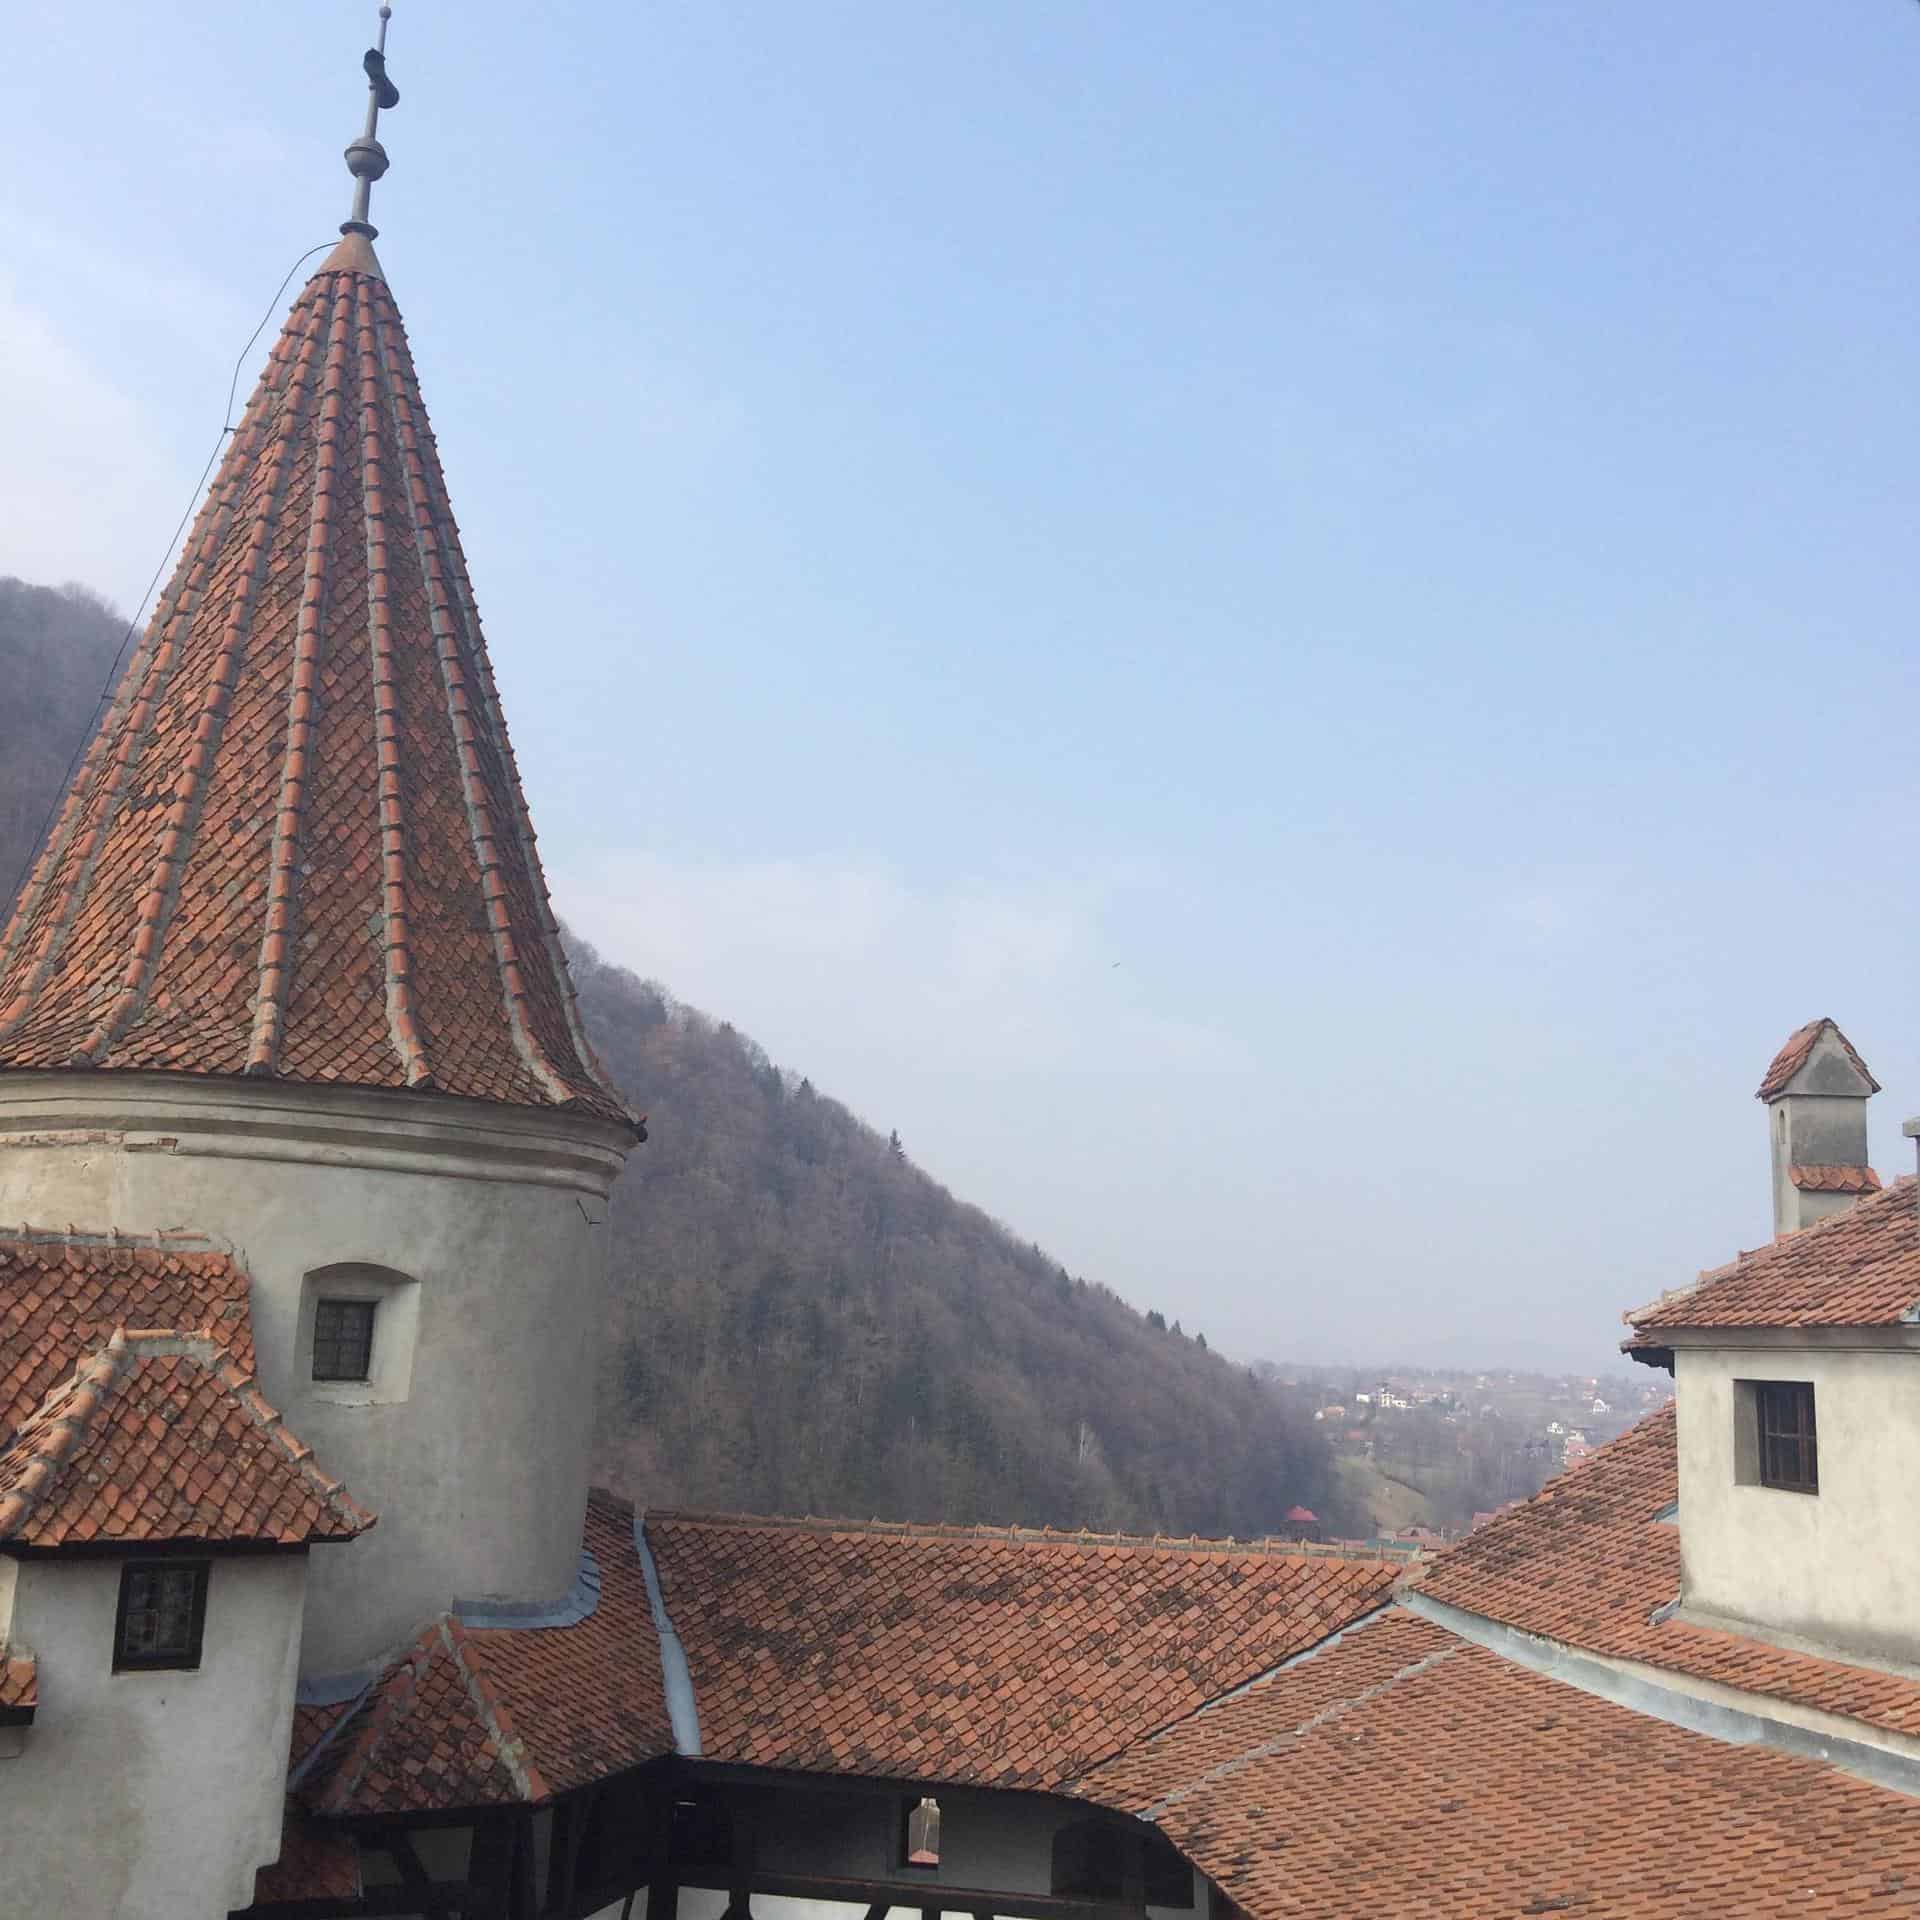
[
  {"x": 1816, "y": 1091},
  {"x": 285, "y": 974}
]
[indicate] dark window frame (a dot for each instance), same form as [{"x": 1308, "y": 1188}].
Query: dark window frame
[
  {"x": 336, "y": 1342},
  {"x": 182, "y": 1659},
  {"x": 1787, "y": 1435}
]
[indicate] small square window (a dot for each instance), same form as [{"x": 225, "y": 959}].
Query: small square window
[
  {"x": 163, "y": 1609},
  {"x": 343, "y": 1339},
  {"x": 1789, "y": 1444}
]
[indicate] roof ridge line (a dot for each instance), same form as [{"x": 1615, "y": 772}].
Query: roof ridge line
[
  {"x": 78, "y": 1397},
  {"x": 1280, "y": 1742},
  {"x": 176, "y": 1239},
  {"x": 403, "y": 1029},
  {"x": 495, "y": 1716},
  {"x": 481, "y": 827},
  {"x": 97, "y": 1374},
  {"x": 520, "y": 815},
  {"x": 1263, "y": 1546},
  {"x": 244, "y": 1388},
  {"x": 1324, "y": 1644},
  {"x": 275, "y": 965},
  {"x": 390, "y": 1704},
  {"x": 160, "y": 898}
]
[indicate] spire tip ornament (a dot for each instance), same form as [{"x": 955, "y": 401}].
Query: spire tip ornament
[{"x": 367, "y": 158}]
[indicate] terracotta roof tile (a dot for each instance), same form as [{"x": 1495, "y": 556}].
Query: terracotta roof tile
[
  {"x": 1003, "y": 1659},
  {"x": 1810, "y": 1179},
  {"x": 158, "y": 1437},
  {"x": 1405, "y": 1771},
  {"x": 423, "y": 1739},
  {"x": 487, "y": 1716},
  {"x": 19, "y": 1686},
  {"x": 1794, "y": 1055},
  {"x": 1588, "y": 1562},
  {"x": 298, "y": 846},
  {"x": 1860, "y": 1268},
  {"x": 63, "y": 1294}
]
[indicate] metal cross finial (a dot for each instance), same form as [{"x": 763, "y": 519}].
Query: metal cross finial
[{"x": 367, "y": 158}]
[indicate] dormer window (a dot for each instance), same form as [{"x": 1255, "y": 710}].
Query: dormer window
[
  {"x": 343, "y": 1339},
  {"x": 163, "y": 1609},
  {"x": 1789, "y": 1445}
]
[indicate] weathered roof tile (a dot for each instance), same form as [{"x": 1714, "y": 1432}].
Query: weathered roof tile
[{"x": 298, "y": 847}]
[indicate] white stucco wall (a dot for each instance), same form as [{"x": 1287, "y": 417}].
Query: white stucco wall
[
  {"x": 478, "y": 1474},
  {"x": 144, "y": 1794},
  {"x": 1840, "y": 1567}
]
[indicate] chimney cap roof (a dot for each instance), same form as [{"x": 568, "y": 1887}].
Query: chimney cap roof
[{"x": 1798, "y": 1050}]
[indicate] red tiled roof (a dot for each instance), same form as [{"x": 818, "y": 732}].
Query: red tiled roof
[
  {"x": 1794, "y": 1055},
  {"x": 62, "y": 1294},
  {"x": 1834, "y": 1179},
  {"x": 19, "y": 1686},
  {"x": 311, "y": 1725},
  {"x": 473, "y": 1716},
  {"x": 1403, "y": 1770},
  {"x": 1001, "y": 1659},
  {"x": 1860, "y": 1268},
  {"x": 156, "y": 1438},
  {"x": 298, "y": 847},
  {"x": 429, "y": 1736},
  {"x": 1587, "y": 1562}
]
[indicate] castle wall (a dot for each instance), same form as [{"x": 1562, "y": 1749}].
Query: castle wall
[
  {"x": 136, "y": 1794},
  {"x": 485, "y": 1230}
]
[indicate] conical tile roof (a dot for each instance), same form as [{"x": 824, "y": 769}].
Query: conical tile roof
[{"x": 298, "y": 848}]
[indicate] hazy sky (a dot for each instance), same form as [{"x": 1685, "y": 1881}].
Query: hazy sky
[{"x": 1283, "y": 630}]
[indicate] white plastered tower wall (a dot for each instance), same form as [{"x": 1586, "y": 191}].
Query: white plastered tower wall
[
  {"x": 481, "y": 1230},
  {"x": 141, "y": 1794}
]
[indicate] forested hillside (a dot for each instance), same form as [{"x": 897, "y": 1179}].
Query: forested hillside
[
  {"x": 56, "y": 645},
  {"x": 802, "y": 1320}
]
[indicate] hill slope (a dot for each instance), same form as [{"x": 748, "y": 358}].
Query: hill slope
[
  {"x": 56, "y": 645},
  {"x": 801, "y": 1319},
  {"x": 804, "y": 1321}
]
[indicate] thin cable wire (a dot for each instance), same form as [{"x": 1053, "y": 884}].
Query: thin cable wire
[{"x": 38, "y": 841}]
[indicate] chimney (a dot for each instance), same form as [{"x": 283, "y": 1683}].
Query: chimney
[{"x": 1816, "y": 1093}]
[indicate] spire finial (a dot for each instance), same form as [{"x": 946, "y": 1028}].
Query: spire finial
[{"x": 367, "y": 158}]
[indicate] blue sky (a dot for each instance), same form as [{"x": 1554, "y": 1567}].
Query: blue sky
[{"x": 1282, "y": 632}]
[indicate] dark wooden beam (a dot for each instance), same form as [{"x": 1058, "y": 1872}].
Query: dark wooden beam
[
  {"x": 721, "y": 1773},
  {"x": 407, "y": 1858},
  {"x": 1133, "y": 1869},
  {"x": 663, "y": 1890},
  {"x": 903, "y": 1893},
  {"x": 441, "y": 1898}
]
